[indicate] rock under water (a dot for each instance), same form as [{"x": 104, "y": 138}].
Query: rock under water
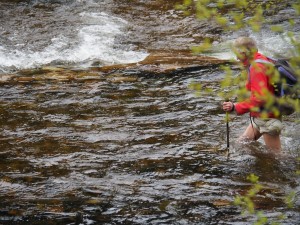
[{"x": 156, "y": 63}]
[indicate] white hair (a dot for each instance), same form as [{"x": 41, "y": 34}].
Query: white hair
[{"x": 246, "y": 43}]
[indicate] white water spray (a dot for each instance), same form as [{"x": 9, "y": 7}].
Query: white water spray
[{"x": 95, "y": 41}]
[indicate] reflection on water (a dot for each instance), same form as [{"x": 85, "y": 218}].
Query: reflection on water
[{"x": 147, "y": 151}]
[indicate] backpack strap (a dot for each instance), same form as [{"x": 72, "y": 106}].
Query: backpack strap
[
  {"x": 263, "y": 61},
  {"x": 259, "y": 61}
]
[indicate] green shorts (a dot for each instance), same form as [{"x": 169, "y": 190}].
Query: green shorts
[{"x": 270, "y": 126}]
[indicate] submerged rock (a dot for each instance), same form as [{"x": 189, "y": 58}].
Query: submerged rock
[
  {"x": 156, "y": 63},
  {"x": 6, "y": 78},
  {"x": 52, "y": 74},
  {"x": 166, "y": 62},
  {"x": 120, "y": 78}
]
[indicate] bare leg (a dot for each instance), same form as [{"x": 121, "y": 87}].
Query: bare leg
[
  {"x": 272, "y": 142},
  {"x": 250, "y": 134}
]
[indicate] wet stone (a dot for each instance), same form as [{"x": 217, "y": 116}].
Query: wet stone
[{"x": 6, "y": 78}]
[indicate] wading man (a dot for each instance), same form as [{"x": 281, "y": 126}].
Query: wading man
[{"x": 258, "y": 83}]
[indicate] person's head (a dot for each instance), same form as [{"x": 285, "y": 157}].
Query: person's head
[{"x": 244, "y": 48}]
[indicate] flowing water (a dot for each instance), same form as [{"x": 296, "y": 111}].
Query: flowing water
[
  {"x": 144, "y": 150},
  {"x": 72, "y": 32}
]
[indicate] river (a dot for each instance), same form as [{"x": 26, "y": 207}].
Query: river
[{"x": 145, "y": 149}]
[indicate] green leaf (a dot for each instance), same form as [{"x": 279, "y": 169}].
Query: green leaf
[
  {"x": 290, "y": 199},
  {"x": 292, "y": 22},
  {"x": 205, "y": 46},
  {"x": 277, "y": 28},
  {"x": 253, "y": 178},
  {"x": 297, "y": 8},
  {"x": 221, "y": 20}
]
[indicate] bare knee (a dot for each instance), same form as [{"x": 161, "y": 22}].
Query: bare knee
[
  {"x": 250, "y": 134},
  {"x": 272, "y": 142}
]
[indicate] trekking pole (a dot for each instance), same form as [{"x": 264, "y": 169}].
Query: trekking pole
[
  {"x": 227, "y": 129},
  {"x": 227, "y": 132}
]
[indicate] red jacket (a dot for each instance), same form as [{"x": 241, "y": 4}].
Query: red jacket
[{"x": 258, "y": 84}]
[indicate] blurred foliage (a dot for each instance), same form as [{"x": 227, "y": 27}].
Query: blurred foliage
[
  {"x": 234, "y": 15},
  {"x": 247, "y": 203}
]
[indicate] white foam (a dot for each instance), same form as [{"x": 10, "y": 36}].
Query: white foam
[
  {"x": 269, "y": 43},
  {"x": 95, "y": 41}
]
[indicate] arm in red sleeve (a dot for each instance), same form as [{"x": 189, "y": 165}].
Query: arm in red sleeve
[{"x": 259, "y": 85}]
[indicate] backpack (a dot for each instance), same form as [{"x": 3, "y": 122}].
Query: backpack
[
  {"x": 285, "y": 85},
  {"x": 287, "y": 77}
]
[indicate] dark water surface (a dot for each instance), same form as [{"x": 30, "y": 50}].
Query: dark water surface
[
  {"x": 128, "y": 148},
  {"x": 141, "y": 152}
]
